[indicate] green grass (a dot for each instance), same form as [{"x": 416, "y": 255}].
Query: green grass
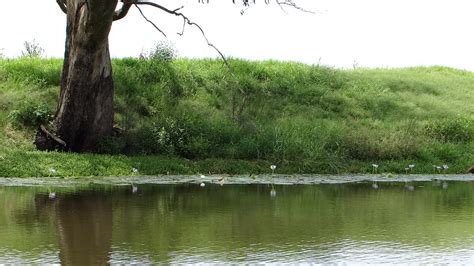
[{"x": 194, "y": 116}]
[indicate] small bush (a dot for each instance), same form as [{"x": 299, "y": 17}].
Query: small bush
[
  {"x": 380, "y": 143},
  {"x": 112, "y": 145},
  {"x": 140, "y": 140},
  {"x": 458, "y": 130},
  {"x": 162, "y": 51},
  {"x": 30, "y": 114},
  {"x": 32, "y": 49},
  {"x": 171, "y": 136}
]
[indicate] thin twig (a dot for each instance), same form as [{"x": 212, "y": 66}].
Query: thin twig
[
  {"x": 293, "y": 5},
  {"x": 151, "y": 22},
  {"x": 187, "y": 21}
]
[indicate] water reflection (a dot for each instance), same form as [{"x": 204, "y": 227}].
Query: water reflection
[
  {"x": 239, "y": 224},
  {"x": 84, "y": 228},
  {"x": 375, "y": 186}
]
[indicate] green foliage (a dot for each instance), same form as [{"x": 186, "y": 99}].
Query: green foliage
[
  {"x": 456, "y": 129},
  {"x": 382, "y": 142},
  {"x": 112, "y": 145},
  {"x": 30, "y": 114},
  {"x": 306, "y": 119},
  {"x": 162, "y": 51},
  {"x": 26, "y": 72}
]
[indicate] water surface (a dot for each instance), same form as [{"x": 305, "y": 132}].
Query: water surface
[{"x": 422, "y": 222}]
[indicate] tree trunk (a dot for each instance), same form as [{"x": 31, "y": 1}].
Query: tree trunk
[{"x": 85, "y": 111}]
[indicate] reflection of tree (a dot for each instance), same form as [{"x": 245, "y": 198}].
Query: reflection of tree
[
  {"x": 160, "y": 223},
  {"x": 84, "y": 225}
]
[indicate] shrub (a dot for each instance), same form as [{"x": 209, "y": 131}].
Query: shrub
[
  {"x": 30, "y": 114},
  {"x": 170, "y": 136},
  {"x": 112, "y": 145},
  {"x": 458, "y": 130},
  {"x": 381, "y": 143},
  {"x": 162, "y": 51},
  {"x": 32, "y": 49},
  {"x": 140, "y": 140}
]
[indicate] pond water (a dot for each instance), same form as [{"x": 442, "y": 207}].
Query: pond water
[{"x": 422, "y": 222}]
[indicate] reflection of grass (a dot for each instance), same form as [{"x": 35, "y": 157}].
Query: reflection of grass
[
  {"x": 227, "y": 218},
  {"x": 303, "y": 214},
  {"x": 306, "y": 119}
]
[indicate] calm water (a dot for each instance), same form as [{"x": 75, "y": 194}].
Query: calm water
[{"x": 431, "y": 222}]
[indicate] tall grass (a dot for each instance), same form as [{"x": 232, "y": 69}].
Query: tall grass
[{"x": 303, "y": 118}]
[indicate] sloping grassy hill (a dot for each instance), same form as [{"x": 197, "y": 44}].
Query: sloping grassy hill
[{"x": 190, "y": 116}]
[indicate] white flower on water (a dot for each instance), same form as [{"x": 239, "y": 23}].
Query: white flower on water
[
  {"x": 202, "y": 176},
  {"x": 52, "y": 171},
  {"x": 134, "y": 170},
  {"x": 52, "y": 195},
  {"x": 445, "y": 167},
  {"x": 273, "y": 167},
  {"x": 202, "y": 184},
  {"x": 411, "y": 166},
  {"x": 375, "y": 165}
]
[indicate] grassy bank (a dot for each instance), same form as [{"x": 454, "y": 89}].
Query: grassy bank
[{"x": 193, "y": 116}]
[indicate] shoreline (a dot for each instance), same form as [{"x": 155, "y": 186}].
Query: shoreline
[{"x": 227, "y": 180}]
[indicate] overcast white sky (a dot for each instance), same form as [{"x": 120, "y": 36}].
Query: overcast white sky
[{"x": 373, "y": 33}]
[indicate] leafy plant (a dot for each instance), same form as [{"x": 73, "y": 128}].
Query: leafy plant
[
  {"x": 459, "y": 130},
  {"x": 162, "y": 51},
  {"x": 30, "y": 114}
]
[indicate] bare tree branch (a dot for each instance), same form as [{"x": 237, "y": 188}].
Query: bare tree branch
[
  {"x": 281, "y": 4},
  {"x": 151, "y": 22},
  {"x": 293, "y": 5},
  {"x": 123, "y": 11},
  {"x": 186, "y": 21},
  {"x": 62, "y": 5}
]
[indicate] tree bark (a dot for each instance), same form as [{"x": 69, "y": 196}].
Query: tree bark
[{"x": 85, "y": 111}]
